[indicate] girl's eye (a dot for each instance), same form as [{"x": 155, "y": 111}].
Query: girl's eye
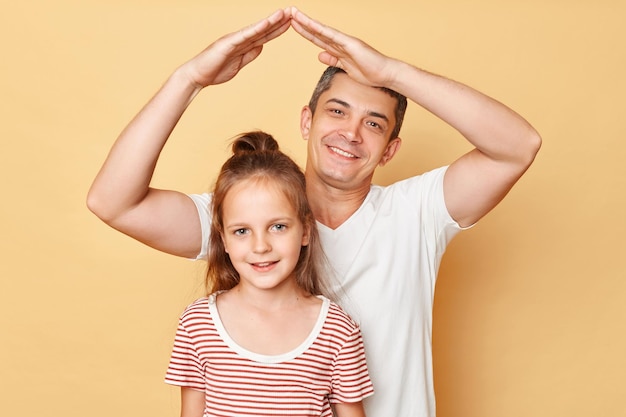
[
  {"x": 279, "y": 227},
  {"x": 240, "y": 232}
]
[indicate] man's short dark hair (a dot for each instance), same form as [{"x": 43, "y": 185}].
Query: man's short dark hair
[{"x": 325, "y": 82}]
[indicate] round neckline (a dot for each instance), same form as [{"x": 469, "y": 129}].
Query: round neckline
[{"x": 257, "y": 357}]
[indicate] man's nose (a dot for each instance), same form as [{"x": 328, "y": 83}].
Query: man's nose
[{"x": 350, "y": 131}]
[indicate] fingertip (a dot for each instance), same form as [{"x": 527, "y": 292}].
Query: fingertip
[
  {"x": 327, "y": 59},
  {"x": 279, "y": 14},
  {"x": 295, "y": 11}
]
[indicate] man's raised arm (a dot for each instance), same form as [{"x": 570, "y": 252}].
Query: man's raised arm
[
  {"x": 505, "y": 144},
  {"x": 121, "y": 194}
]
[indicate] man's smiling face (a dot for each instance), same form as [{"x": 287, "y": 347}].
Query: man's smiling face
[{"x": 348, "y": 133}]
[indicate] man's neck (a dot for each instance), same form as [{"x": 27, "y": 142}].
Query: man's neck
[{"x": 333, "y": 206}]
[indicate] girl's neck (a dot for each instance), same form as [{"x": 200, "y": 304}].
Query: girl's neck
[{"x": 286, "y": 297}]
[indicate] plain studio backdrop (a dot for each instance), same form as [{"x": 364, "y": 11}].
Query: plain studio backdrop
[{"x": 530, "y": 304}]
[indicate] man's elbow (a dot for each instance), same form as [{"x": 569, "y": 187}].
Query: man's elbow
[
  {"x": 100, "y": 206},
  {"x": 532, "y": 143}
]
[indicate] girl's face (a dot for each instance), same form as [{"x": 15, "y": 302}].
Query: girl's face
[{"x": 262, "y": 234}]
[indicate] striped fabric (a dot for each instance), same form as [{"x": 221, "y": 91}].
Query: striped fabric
[{"x": 328, "y": 368}]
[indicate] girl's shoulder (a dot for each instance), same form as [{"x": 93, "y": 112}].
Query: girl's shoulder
[
  {"x": 198, "y": 307},
  {"x": 338, "y": 316}
]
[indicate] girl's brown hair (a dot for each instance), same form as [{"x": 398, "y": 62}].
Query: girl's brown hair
[{"x": 256, "y": 155}]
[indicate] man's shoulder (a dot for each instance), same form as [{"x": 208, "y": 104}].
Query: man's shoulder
[{"x": 425, "y": 180}]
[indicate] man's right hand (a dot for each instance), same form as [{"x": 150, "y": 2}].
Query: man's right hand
[
  {"x": 121, "y": 194},
  {"x": 225, "y": 57}
]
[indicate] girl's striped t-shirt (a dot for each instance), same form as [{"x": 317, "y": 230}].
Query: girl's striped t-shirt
[{"x": 328, "y": 367}]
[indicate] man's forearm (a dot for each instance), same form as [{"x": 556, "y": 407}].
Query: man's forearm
[{"x": 493, "y": 128}]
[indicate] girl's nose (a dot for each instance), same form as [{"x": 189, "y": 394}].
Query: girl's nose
[{"x": 261, "y": 244}]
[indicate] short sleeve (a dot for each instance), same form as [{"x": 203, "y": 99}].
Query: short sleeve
[
  {"x": 184, "y": 369},
  {"x": 425, "y": 192},
  {"x": 350, "y": 377},
  {"x": 203, "y": 203},
  {"x": 433, "y": 200}
]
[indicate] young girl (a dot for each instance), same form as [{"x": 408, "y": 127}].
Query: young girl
[{"x": 267, "y": 340}]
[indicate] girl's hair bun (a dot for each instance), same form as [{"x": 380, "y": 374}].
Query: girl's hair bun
[{"x": 255, "y": 141}]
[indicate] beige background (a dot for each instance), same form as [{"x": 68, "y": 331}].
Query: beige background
[{"x": 530, "y": 307}]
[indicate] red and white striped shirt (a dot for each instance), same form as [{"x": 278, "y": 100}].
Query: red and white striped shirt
[{"x": 328, "y": 367}]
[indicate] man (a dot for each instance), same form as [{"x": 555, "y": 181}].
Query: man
[{"x": 385, "y": 243}]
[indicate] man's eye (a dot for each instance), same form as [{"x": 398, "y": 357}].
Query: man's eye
[{"x": 375, "y": 125}]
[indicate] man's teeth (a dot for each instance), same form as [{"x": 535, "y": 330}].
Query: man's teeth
[{"x": 342, "y": 153}]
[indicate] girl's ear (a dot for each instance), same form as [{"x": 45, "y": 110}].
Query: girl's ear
[
  {"x": 224, "y": 242},
  {"x": 306, "y": 236}
]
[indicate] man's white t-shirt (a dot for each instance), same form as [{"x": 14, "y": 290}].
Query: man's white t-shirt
[{"x": 386, "y": 257}]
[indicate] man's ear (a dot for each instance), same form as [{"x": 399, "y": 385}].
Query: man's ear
[
  {"x": 305, "y": 122},
  {"x": 392, "y": 148}
]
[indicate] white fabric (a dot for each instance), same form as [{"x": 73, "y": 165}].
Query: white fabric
[{"x": 387, "y": 255}]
